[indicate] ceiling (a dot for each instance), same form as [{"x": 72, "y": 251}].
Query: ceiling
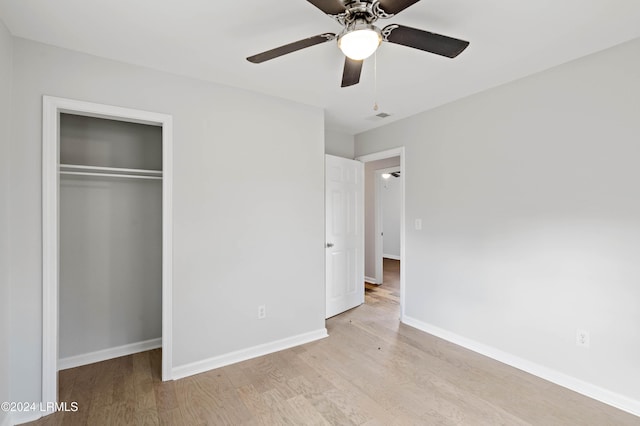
[{"x": 210, "y": 40}]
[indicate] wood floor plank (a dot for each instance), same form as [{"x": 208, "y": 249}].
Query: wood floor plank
[
  {"x": 143, "y": 417},
  {"x": 253, "y": 400},
  {"x": 309, "y": 386},
  {"x": 329, "y": 411},
  {"x": 171, "y": 417},
  {"x": 145, "y": 397},
  {"x": 304, "y": 410},
  {"x": 123, "y": 413},
  {"x": 280, "y": 407},
  {"x": 124, "y": 389},
  {"x": 165, "y": 396}
]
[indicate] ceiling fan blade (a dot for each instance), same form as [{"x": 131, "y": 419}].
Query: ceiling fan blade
[
  {"x": 393, "y": 7},
  {"x": 291, "y": 47},
  {"x": 351, "y": 73},
  {"x": 424, "y": 40},
  {"x": 330, "y": 7}
]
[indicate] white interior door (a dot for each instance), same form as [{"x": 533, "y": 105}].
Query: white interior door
[{"x": 344, "y": 191}]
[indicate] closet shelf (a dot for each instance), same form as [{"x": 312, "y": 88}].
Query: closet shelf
[{"x": 82, "y": 170}]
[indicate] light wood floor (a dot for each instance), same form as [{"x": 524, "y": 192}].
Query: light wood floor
[{"x": 370, "y": 371}]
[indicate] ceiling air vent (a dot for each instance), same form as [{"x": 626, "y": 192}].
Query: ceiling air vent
[{"x": 378, "y": 117}]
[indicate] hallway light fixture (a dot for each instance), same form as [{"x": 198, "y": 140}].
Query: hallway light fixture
[{"x": 386, "y": 175}]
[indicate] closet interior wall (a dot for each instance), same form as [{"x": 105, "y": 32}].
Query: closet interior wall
[{"x": 110, "y": 235}]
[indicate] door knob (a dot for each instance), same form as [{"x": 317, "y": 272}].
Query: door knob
[{"x": 329, "y": 245}]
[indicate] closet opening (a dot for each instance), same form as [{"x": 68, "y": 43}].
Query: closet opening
[
  {"x": 110, "y": 239},
  {"x": 106, "y": 236}
]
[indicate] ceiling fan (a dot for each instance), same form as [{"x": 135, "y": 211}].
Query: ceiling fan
[{"x": 360, "y": 38}]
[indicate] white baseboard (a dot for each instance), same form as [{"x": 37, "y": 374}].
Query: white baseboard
[
  {"x": 102, "y": 355},
  {"x": 391, "y": 256},
  {"x": 370, "y": 280},
  {"x": 245, "y": 354},
  {"x": 588, "y": 389}
]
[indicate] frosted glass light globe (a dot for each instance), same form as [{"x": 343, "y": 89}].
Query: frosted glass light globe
[{"x": 361, "y": 42}]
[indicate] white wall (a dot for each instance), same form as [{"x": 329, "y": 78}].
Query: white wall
[
  {"x": 110, "y": 237},
  {"x": 531, "y": 217},
  {"x": 5, "y": 163},
  {"x": 369, "y": 212},
  {"x": 248, "y": 195},
  {"x": 391, "y": 203},
  {"x": 338, "y": 143}
]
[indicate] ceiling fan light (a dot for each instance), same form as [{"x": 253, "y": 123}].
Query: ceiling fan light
[{"x": 361, "y": 42}]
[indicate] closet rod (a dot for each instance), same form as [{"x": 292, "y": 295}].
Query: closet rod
[
  {"x": 116, "y": 175},
  {"x": 84, "y": 168}
]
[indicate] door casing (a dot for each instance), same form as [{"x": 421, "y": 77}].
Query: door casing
[
  {"x": 51, "y": 109},
  {"x": 395, "y": 152}
]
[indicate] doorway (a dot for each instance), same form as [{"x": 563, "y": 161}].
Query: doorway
[
  {"x": 387, "y": 213},
  {"x": 52, "y": 109},
  {"x": 380, "y": 161}
]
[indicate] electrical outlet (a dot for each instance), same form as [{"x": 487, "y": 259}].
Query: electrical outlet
[
  {"x": 262, "y": 311},
  {"x": 418, "y": 224},
  {"x": 582, "y": 338}
]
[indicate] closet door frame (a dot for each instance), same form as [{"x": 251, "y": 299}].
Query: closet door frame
[{"x": 51, "y": 109}]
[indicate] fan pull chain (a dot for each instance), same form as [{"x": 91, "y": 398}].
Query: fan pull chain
[{"x": 375, "y": 81}]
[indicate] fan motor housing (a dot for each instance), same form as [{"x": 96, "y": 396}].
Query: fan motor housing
[{"x": 359, "y": 11}]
